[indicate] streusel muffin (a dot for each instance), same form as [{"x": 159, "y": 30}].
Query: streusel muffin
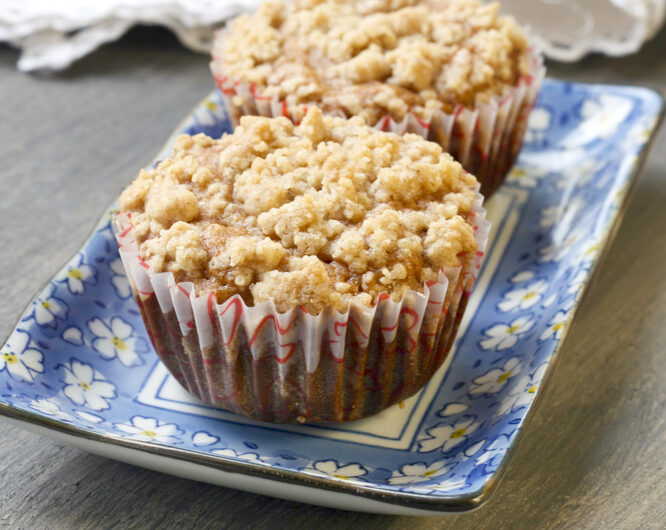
[
  {"x": 454, "y": 71},
  {"x": 302, "y": 273}
]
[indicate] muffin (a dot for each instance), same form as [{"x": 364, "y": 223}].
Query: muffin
[
  {"x": 453, "y": 71},
  {"x": 302, "y": 273}
]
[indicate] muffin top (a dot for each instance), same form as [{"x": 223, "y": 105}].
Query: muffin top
[
  {"x": 310, "y": 215},
  {"x": 373, "y": 58}
]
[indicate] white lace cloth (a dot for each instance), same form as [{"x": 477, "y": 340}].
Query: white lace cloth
[
  {"x": 54, "y": 33},
  {"x": 569, "y": 29}
]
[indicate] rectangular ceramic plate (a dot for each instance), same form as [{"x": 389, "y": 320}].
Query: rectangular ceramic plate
[{"x": 79, "y": 368}]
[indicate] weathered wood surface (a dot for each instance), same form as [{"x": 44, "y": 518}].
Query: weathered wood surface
[{"x": 594, "y": 455}]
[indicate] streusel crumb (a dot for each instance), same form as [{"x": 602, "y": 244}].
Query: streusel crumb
[
  {"x": 371, "y": 58},
  {"x": 310, "y": 215}
]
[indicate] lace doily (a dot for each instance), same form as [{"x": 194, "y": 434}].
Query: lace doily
[{"x": 53, "y": 34}]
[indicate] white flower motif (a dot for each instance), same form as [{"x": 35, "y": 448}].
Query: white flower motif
[
  {"x": 50, "y": 408},
  {"x": 453, "y": 408},
  {"x": 48, "y": 309},
  {"x": 209, "y": 113},
  {"x": 20, "y": 360},
  {"x": 567, "y": 305},
  {"x": 86, "y": 386},
  {"x": 73, "y": 335},
  {"x": 523, "y": 392},
  {"x": 522, "y": 276},
  {"x": 639, "y": 134},
  {"x": 527, "y": 176},
  {"x": 203, "y": 438},
  {"x": 537, "y": 125},
  {"x": 492, "y": 456},
  {"x": 503, "y": 336},
  {"x": 524, "y": 297},
  {"x": 119, "y": 279},
  {"x": 77, "y": 275},
  {"x": 330, "y": 468},
  {"x": 474, "y": 448},
  {"x": 556, "y": 326},
  {"x": 556, "y": 160},
  {"x": 89, "y": 417},
  {"x": 117, "y": 339},
  {"x": 446, "y": 436},
  {"x": 550, "y": 300},
  {"x": 418, "y": 472},
  {"x": 494, "y": 380},
  {"x": 550, "y": 215},
  {"x": 577, "y": 281},
  {"x": 601, "y": 118},
  {"x": 249, "y": 457},
  {"x": 579, "y": 175},
  {"x": 150, "y": 430},
  {"x": 563, "y": 217},
  {"x": 453, "y": 483},
  {"x": 587, "y": 254},
  {"x": 557, "y": 251}
]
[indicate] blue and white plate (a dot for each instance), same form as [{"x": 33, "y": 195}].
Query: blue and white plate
[{"x": 79, "y": 367}]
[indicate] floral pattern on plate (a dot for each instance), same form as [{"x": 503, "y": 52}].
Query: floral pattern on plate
[{"x": 80, "y": 355}]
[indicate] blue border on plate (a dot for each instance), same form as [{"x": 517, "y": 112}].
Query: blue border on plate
[{"x": 462, "y": 443}]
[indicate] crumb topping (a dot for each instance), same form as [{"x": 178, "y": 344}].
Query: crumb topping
[
  {"x": 310, "y": 215},
  {"x": 371, "y": 58}
]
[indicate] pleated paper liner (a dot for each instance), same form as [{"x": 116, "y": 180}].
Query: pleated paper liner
[
  {"x": 295, "y": 366},
  {"x": 486, "y": 140}
]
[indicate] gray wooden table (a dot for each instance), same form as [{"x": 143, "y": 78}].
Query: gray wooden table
[{"x": 594, "y": 454}]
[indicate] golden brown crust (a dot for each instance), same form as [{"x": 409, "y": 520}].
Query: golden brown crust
[
  {"x": 308, "y": 215},
  {"x": 371, "y": 58}
]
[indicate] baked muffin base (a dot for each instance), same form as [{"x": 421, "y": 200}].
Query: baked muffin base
[{"x": 294, "y": 366}]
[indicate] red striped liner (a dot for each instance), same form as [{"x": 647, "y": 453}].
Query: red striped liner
[
  {"x": 486, "y": 140},
  {"x": 295, "y": 366}
]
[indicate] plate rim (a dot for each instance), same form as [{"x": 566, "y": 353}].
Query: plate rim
[{"x": 423, "y": 504}]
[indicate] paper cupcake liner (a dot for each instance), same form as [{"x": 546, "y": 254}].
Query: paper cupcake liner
[
  {"x": 295, "y": 366},
  {"x": 486, "y": 140}
]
